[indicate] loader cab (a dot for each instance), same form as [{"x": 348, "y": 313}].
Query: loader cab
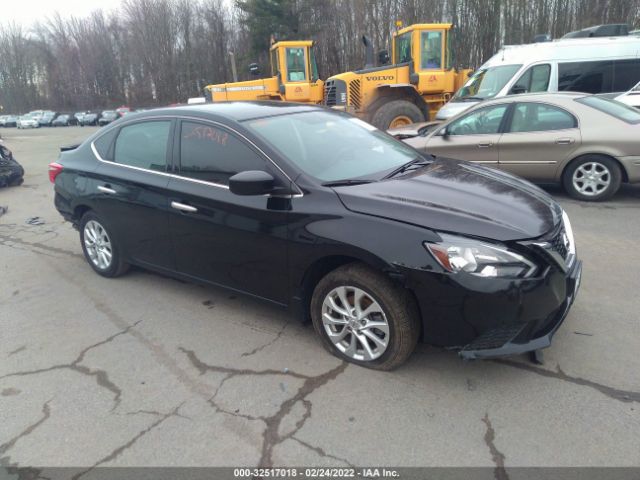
[
  {"x": 427, "y": 47},
  {"x": 294, "y": 65}
]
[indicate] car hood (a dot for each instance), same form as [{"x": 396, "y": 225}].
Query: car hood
[{"x": 459, "y": 197}]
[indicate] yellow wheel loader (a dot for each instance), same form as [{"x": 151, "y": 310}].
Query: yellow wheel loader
[
  {"x": 294, "y": 78},
  {"x": 419, "y": 81}
]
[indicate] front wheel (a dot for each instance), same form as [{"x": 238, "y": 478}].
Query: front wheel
[
  {"x": 100, "y": 248},
  {"x": 364, "y": 318},
  {"x": 592, "y": 178},
  {"x": 396, "y": 114}
]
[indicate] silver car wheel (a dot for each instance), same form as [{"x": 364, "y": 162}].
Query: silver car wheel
[
  {"x": 591, "y": 179},
  {"x": 98, "y": 245},
  {"x": 355, "y": 323}
]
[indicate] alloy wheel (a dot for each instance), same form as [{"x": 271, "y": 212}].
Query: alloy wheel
[
  {"x": 98, "y": 245},
  {"x": 591, "y": 179},
  {"x": 355, "y": 323}
]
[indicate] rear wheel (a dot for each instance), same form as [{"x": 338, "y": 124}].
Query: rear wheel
[
  {"x": 592, "y": 178},
  {"x": 396, "y": 114},
  {"x": 364, "y": 318},
  {"x": 100, "y": 248}
]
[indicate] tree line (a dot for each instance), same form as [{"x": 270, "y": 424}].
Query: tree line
[{"x": 158, "y": 52}]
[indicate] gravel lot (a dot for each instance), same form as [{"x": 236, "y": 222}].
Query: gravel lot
[{"x": 146, "y": 370}]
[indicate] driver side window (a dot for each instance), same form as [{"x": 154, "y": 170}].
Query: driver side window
[{"x": 481, "y": 122}]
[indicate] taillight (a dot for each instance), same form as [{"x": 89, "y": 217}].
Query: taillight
[{"x": 54, "y": 169}]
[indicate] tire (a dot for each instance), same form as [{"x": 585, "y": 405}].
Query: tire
[
  {"x": 395, "y": 111},
  {"x": 389, "y": 303},
  {"x": 90, "y": 224},
  {"x": 578, "y": 184}
]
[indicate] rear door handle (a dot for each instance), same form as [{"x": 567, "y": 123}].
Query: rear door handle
[
  {"x": 105, "y": 189},
  {"x": 485, "y": 145},
  {"x": 183, "y": 208},
  {"x": 564, "y": 141}
]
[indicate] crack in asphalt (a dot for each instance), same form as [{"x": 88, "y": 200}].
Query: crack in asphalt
[
  {"x": 269, "y": 343},
  {"x": 270, "y": 437},
  {"x": 117, "y": 451},
  {"x": 499, "y": 472},
  {"x": 321, "y": 452},
  {"x": 17, "y": 350},
  {"x": 46, "y": 413},
  {"x": 626, "y": 396},
  {"x": 101, "y": 376}
]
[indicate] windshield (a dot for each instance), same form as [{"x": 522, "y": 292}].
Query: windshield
[
  {"x": 487, "y": 82},
  {"x": 611, "y": 107},
  {"x": 331, "y": 147}
]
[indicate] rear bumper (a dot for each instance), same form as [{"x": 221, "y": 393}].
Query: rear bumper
[{"x": 522, "y": 338}]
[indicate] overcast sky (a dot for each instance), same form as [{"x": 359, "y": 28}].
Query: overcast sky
[{"x": 27, "y": 12}]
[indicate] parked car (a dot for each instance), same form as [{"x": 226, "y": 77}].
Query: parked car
[
  {"x": 90, "y": 118},
  {"x": 107, "y": 117},
  {"x": 27, "y": 121},
  {"x": 378, "y": 244},
  {"x": 9, "y": 121},
  {"x": 590, "y": 65},
  {"x": 78, "y": 116},
  {"x": 46, "y": 119},
  {"x": 11, "y": 172},
  {"x": 587, "y": 143},
  {"x": 61, "y": 121}
]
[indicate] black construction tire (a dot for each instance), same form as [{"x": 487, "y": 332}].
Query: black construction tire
[
  {"x": 614, "y": 173},
  {"x": 389, "y": 111},
  {"x": 396, "y": 302},
  {"x": 117, "y": 266}
]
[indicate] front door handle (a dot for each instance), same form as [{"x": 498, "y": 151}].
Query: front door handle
[
  {"x": 564, "y": 141},
  {"x": 485, "y": 145},
  {"x": 105, "y": 189},
  {"x": 184, "y": 208}
]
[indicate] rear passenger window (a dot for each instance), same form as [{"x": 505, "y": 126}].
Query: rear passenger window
[
  {"x": 143, "y": 145},
  {"x": 537, "y": 117},
  {"x": 213, "y": 154}
]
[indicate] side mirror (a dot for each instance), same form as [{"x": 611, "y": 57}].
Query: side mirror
[
  {"x": 470, "y": 73},
  {"x": 251, "y": 182},
  {"x": 254, "y": 69},
  {"x": 518, "y": 89},
  {"x": 444, "y": 132},
  {"x": 383, "y": 57}
]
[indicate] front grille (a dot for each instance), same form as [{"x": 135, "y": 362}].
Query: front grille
[
  {"x": 354, "y": 94},
  {"x": 330, "y": 93}
]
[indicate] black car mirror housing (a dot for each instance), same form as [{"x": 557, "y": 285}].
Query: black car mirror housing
[{"x": 251, "y": 182}]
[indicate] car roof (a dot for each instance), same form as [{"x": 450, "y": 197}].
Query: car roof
[
  {"x": 238, "y": 111},
  {"x": 556, "y": 97}
]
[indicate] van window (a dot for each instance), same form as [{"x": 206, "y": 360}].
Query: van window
[
  {"x": 626, "y": 74},
  {"x": 588, "y": 77},
  {"x": 535, "y": 79},
  {"x": 486, "y": 83},
  {"x": 538, "y": 117}
]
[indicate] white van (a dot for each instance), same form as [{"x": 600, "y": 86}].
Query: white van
[{"x": 590, "y": 65}]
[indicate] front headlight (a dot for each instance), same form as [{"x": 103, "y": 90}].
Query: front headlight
[
  {"x": 571, "y": 247},
  {"x": 459, "y": 254}
]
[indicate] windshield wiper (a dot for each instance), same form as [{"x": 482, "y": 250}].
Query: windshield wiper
[
  {"x": 470, "y": 97},
  {"x": 342, "y": 183},
  {"x": 416, "y": 162}
]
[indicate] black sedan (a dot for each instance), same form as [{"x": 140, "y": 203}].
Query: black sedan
[{"x": 379, "y": 245}]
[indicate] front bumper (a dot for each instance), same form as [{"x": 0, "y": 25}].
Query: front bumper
[{"x": 521, "y": 338}]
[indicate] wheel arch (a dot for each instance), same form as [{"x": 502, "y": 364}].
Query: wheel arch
[{"x": 388, "y": 93}]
